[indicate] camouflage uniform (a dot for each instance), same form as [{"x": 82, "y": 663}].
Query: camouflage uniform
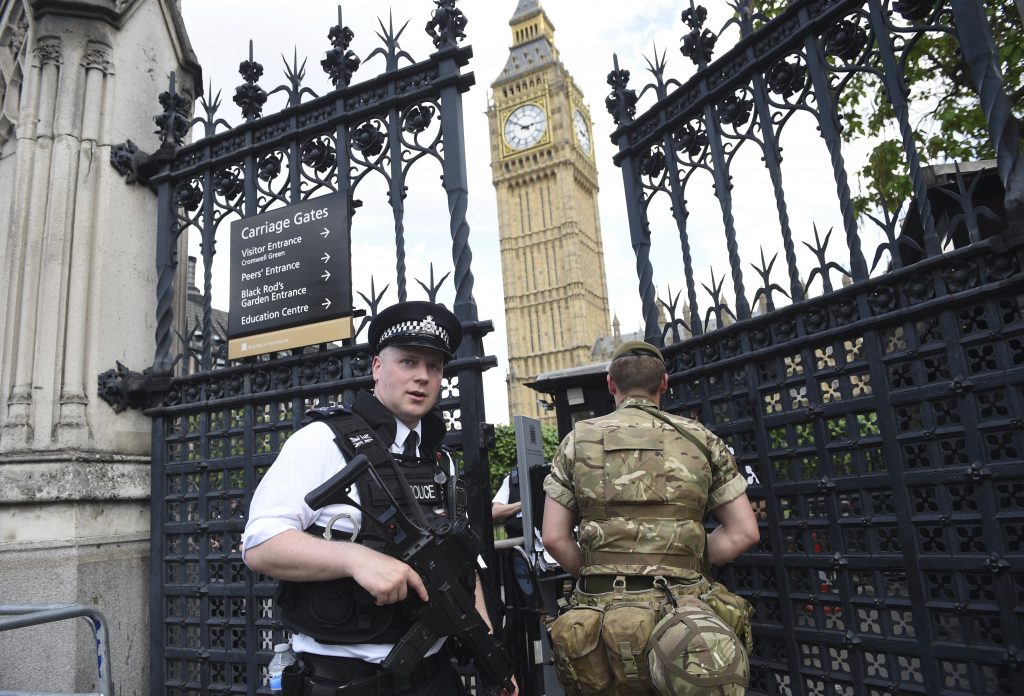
[
  {"x": 641, "y": 482},
  {"x": 642, "y": 489}
]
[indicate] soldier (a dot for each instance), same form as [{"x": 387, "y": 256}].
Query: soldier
[
  {"x": 344, "y": 600},
  {"x": 640, "y": 482}
]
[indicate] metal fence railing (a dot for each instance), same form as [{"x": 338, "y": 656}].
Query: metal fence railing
[{"x": 14, "y": 616}]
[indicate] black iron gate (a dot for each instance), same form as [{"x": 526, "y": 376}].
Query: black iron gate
[
  {"x": 881, "y": 423},
  {"x": 219, "y": 423}
]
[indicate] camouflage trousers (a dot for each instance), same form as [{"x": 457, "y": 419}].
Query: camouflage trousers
[{"x": 670, "y": 640}]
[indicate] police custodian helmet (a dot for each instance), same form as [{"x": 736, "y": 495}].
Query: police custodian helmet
[{"x": 416, "y": 323}]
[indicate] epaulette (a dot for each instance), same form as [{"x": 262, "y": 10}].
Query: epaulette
[{"x": 324, "y": 412}]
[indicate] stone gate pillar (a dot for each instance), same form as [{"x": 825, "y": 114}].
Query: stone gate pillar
[{"x": 77, "y": 289}]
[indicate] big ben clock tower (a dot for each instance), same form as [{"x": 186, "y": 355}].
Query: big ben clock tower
[{"x": 542, "y": 164}]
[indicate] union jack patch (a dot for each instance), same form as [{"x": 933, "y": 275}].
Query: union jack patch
[{"x": 360, "y": 440}]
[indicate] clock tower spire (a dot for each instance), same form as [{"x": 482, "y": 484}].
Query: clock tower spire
[{"x": 545, "y": 179}]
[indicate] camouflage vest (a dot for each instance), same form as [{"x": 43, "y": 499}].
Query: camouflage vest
[{"x": 642, "y": 479}]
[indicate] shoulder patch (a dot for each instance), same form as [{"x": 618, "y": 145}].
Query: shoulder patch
[
  {"x": 360, "y": 440},
  {"x": 322, "y": 412}
]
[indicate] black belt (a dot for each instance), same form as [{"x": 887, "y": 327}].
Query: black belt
[
  {"x": 346, "y": 676},
  {"x": 595, "y": 584}
]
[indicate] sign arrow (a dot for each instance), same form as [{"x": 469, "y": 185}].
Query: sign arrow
[
  {"x": 326, "y": 275},
  {"x": 326, "y": 304},
  {"x": 326, "y": 257},
  {"x": 325, "y": 233}
]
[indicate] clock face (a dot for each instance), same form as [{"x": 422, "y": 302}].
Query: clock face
[
  {"x": 525, "y": 126},
  {"x": 579, "y": 126}
]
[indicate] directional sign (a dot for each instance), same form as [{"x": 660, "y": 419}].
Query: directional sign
[{"x": 291, "y": 268}]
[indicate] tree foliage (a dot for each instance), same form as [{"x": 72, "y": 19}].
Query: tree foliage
[
  {"x": 503, "y": 456},
  {"x": 945, "y": 111}
]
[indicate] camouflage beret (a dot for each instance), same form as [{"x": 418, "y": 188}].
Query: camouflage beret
[{"x": 637, "y": 348}]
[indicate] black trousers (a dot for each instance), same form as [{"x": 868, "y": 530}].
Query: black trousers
[{"x": 336, "y": 676}]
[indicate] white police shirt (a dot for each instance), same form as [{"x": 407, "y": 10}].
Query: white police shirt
[
  {"x": 540, "y": 554},
  {"x": 503, "y": 494}
]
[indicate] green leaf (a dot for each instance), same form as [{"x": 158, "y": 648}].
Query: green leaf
[{"x": 503, "y": 457}]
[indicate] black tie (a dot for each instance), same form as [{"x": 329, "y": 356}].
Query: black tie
[{"x": 409, "y": 448}]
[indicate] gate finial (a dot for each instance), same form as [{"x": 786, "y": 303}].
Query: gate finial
[
  {"x": 172, "y": 124},
  {"x": 340, "y": 63},
  {"x": 699, "y": 43},
  {"x": 447, "y": 24},
  {"x": 250, "y": 97},
  {"x": 621, "y": 103}
]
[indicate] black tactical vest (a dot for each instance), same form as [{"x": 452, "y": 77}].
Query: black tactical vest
[{"x": 340, "y": 611}]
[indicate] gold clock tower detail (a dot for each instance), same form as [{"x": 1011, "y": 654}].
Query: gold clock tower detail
[{"x": 542, "y": 164}]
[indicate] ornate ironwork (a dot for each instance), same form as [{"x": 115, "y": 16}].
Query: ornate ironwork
[
  {"x": 172, "y": 126},
  {"x": 970, "y": 214},
  {"x": 879, "y": 422},
  {"x": 820, "y": 250},
  {"x": 434, "y": 287},
  {"x": 218, "y": 423},
  {"x": 447, "y": 24},
  {"x": 173, "y": 123},
  {"x": 340, "y": 63},
  {"x": 979, "y": 53},
  {"x": 767, "y": 287},
  {"x": 249, "y": 96},
  {"x": 802, "y": 62}
]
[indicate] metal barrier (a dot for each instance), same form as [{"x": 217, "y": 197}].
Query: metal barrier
[
  {"x": 24, "y": 615},
  {"x": 528, "y": 594}
]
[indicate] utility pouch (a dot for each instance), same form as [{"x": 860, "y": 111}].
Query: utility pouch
[
  {"x": 735, "y": 611},
  {"x": 692, "y": 652},
  {"x": 580, "y": 658},
  {"x": 625, "y": 630},
  {"x": 291, "y": 679}
]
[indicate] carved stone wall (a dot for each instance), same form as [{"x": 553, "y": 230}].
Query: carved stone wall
[{"x": 77, "y": 284}]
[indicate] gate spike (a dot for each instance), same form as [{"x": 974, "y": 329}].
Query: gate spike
[
  {"x": 674, "y": 322},
  {"x": 295, "y": 74},
  {"x": 434, "y": 287}
]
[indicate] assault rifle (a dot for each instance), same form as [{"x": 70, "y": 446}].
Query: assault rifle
[{"x": 441, "y": 556}]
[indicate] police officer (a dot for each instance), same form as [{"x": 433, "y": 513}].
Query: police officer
[
  {"x": 343, "y": 600},
  {"x": 507, "y": 504},
  {"x": 639, "y": 482}
]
